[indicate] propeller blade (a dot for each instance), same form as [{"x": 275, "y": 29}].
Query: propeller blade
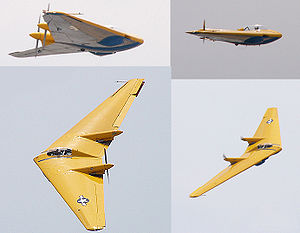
[
  {"x": 107, "y": 174},
  {"x": 37, "y": 41},
  {"x": 105, "y": 156},
  {"x": 106, "y": 171},
  {"x": 204, "y": 25},
  {"x": 44, "y": 39},
  {"x": 36, "y": 47},
  {"x": 48, "y": 8},
  {"x": 38, "y": 29}
]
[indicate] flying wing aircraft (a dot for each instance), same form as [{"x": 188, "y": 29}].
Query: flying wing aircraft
[
  {"x": 250, "y": 35},
  {"x": 265, "y": 143},
  {"x": 65, "y": 33},
  {"x": 74, "y": 163}
]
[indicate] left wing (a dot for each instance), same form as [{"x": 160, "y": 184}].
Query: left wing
[
  {"x": 265, "y": 142},
  {"x": 74, "y": 164},
  {"x": 51, "y": 49}
]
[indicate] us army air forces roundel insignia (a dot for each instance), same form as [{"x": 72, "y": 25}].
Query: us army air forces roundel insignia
[
  {"x": 270, "y": 121},
  {"x": 82, "y": 200}
]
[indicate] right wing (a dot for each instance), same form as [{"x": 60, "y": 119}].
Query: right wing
[
  {"x": 51, "y": 49},
  {"x": 66, "y": 28},
  {"x": 268, "y": 133}
]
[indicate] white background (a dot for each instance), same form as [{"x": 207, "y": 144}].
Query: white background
[{"x": 148, "y": 20}]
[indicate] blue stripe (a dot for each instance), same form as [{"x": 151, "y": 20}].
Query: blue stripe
[{"x": 55, "y": 158}]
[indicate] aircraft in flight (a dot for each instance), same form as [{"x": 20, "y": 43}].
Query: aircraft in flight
[
  {"x": 250, "y": 35},
  {"x": 64, "y": 33},
  {"x": 74, "y": 163},
  {"x": 265, "y": 143}
]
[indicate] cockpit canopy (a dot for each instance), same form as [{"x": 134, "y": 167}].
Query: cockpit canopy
[
  {"x": 59, "y": 151},
  {"x": 255, "y": 27}
]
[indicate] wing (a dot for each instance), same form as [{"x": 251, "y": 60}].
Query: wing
[
  {"x": 82, "y": 192},
  {"x": 103, "y": 122},
  {"x": 224, "y": 35},
  {"x": 268, "y": 133},
  {"x": 51, "y": 49},
  {"x": 68, "y": 29},
  {"x": 73, "y": 163}
]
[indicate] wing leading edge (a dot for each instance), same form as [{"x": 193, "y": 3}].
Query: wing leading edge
[
  {"x": 74, "y": 164},
  {"x": 265, "y": 143}
]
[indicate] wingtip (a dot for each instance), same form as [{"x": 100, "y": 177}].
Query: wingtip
[
  {"x": 14, "y": 54},
  {"x": 190, "y": 32},
  {"x": 194, "y": 195}
]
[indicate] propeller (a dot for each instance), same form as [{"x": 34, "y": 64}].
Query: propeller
[
  {"x": 37, "y": 41},
  {"x": 45, "y": 34},
  {"x": 106, "y": 171},
  {"x": 203, "y": 28}
]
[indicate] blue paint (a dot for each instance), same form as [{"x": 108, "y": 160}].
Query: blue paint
[
  {"x": 257, "y": 40},
  {"x": 105, "y": 49},
  {"x": 100, "y": 54},
  {"x": 254, "y": 40},
  {"x": 112, "y": 41},
  {"x": 54, "y": 158}
]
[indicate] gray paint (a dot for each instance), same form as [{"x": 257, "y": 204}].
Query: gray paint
[{"x": 190, "y": 58}]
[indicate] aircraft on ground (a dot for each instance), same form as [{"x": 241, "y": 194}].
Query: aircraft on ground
[
  {"x": 265, "y": 143},
  {"x": 64, "y": 33},
  {"x": 74, "y": 163},
  {"x": 250, "y": 35}
]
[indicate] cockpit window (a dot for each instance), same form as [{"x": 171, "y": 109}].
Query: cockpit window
[
  {"x": 255, "y": 27},
  {"x": 264, "y": 146},
  {"x": 59, "y": 152}
]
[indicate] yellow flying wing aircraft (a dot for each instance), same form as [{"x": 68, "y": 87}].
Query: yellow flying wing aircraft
[
  {"x": 65, "y": 33},
  {"x": 74, "y": 163},
  {"x": 265, "y": 143},
  {"x": 250, "y": 35}
]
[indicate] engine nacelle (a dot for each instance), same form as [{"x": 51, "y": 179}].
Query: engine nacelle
[
  {"x": 40, "y": 36},
  {"x": 43, "y": 26}
]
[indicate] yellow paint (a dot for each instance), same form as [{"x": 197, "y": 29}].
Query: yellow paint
[
  {"x": 79, "y": 176},
  {"x": 239, "y": 32},
  {"x": 267, "y": 135},
  {"x": 253, "y": 35},
  {"x": 43, "y": 26},
  {"x": 40, "y": 36}
]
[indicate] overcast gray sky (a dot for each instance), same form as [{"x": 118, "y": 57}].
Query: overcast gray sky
[
  {"x": 143, "y": 19},
  {"x": 208, "y": 118},
  {"x": 39, "y": 104},
  {"x": 190, "y": 58}
]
